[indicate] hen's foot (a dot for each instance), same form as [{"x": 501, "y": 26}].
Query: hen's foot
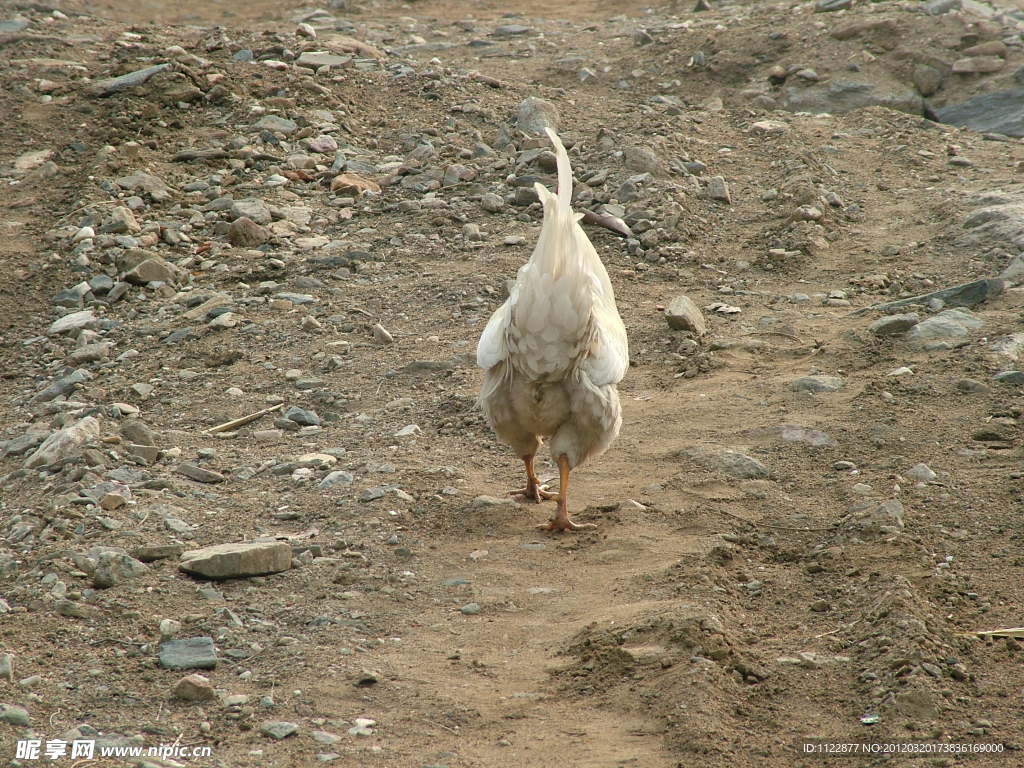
[
  {"x": 561, "y": 523},
  {"x": 536, "y": 494}
]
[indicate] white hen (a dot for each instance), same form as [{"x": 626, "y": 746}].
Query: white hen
[{"x": 556, "y": 350}]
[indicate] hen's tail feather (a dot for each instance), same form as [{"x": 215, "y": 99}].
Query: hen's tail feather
[{"x": 564, "y": 170}]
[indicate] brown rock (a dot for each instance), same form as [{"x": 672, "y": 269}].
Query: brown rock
[
  {"x": 988, "y": 48},
  {"x": 193, "y": 688},
  {"x": 683, "y": 315},
  {"x": 153, "y": 269},
  {"x": 246, "y": 233},
  {"x": 200, "y": 474},
  {"x": 976, "y": 65},
  {"x": 353, "y": 182},
  {"x": 228, "y": 561},
  {"x": 856, "y": 28},
  {"x": 927, "y": 79}
]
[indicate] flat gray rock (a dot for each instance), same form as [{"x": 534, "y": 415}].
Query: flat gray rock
[
  {"x": 997, "y": 112},
  {"x": 190, "y": 653}
]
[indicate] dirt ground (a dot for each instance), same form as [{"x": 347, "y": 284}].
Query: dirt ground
[{"x": 771, "y": 564}]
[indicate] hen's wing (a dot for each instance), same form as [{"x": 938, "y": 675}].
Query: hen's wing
[{"x": 608, "y": 355}]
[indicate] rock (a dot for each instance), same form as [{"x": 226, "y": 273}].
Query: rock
[
  {"x": 229, "y": 561},
  {"x": 492, "y": 203},
  {"x": 963, "y": 295},
  {"x": 137, "y": 431},
  {"x": 276, "y": 124},
  {"x": 921, "y": 473},
  {"x": 871, "y": 519},
  {"x": 64, "y": 443},
  {"x": 971, "y": 65},
  {"x": 997, "y": 112},
  {"x": 147, "y": 183},
  {"x": 470, "y": 609},
  {"x": 243, "y": 232},
  {"x": 319, "y": 59},
  {"x": 336, "y": 478},
  {"x": 13, "y": 715},
  {"x": 987, "y": 48},
  {"x": 65, "y": 385},
  {"x": 683, "y": 315},
  {"x": 729, "y": 462},
  {"x": 251, "y": 208},
  {"x": 642, "y": 160},
  {"x": 719, "y": 190},
  {"x": 151, "y": 552},
  {"x": 927, "y": 79},
  {"x": 121, "y": 221},
  {"x": 302, "y": 416},
  {"x": 153, "y": 270},
  {"x": 891, "y": 325},
  {"x": 73, "y": 322},
  {"x": 91, "y": 353},
  {"x": 950, "y": 324},
  {"x": 534, "y": 115},
  {"x": 353, "y": 183},
  {"x": 972, "y": 386},
  {"x": 278, "y": 729},
  {"x": 793, "y": 433},
  {"x": 195, "y": 688},
  {"x": 189, "y": 653},
  {"x": 113, "y": 568},
  {"x": 817, "y": 384},
  {"x": 112, "y": 85},
  {"x": 492, "y": 503},
  {"x": 1014, "y": 271},
  {"x": 939, "y": 7},
  {"x": 381, "y": 335},
  {"x": 7, "y": 667},
  {"x": 845, "y": 95},
  {"x": 199, "y": 474},
  {"x": 769, "y": 127},
  {"x": 1010, "y": 378},
  {"x": 827, "y": 6}
]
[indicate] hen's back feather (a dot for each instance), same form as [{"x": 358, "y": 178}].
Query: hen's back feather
[{"x": 560, "y": 315}]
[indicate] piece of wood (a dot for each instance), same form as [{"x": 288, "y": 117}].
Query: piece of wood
[{"x": 243, "y": 420}]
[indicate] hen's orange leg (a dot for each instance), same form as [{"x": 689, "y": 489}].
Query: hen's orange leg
[
  {"x": 561, "y": 521},
  {"x": 534, "y": 490}
]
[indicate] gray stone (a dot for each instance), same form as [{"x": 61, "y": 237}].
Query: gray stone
[
  {"x": 65, "y": 385},
  {"x": 470, "y": 609},
  {"x": 278, "y": 729},
  {"x": 73, "y": 322},
  {"x": 9, "y": 713},
  {"x": 894, "y": 324},
  {"x": 921, "y": 473},
  {"x": 642, "y": 160},
  {"x": 7, "y": 667},
  {"x": 199, "y": 474},
  {"x": 871, "y": 519},
  {"x": 996, "y": 112},
  {"x": 729, "y": 462},
  {"x": 950, "y": 324},
  {"x": 64, "y": 442},
  {"x": 252, "y": 208},
  {"x": 939, "y": 7},
  {"x": 228, "y": 561},
  {"x": 319, "y": 59},
  {"x": 91, "y": 353},
  {"x": 189, "y": 653},
  {"x": 276, "y": 124},
  {"x": 683, "y": 315},
  {"x": 1011, "y": 378},
  {"x": 963, "y": 295},
  {"x": 817, "y": 384},
  {"x": 146, "y": 183},
  {"x": 338, "y": 477},
  {"x": 972, "y": 386},
  {"x": 827, "y": 6},
  {"x": 113, "y": 568},
  {"x": 719, "y": 190},
  {"x": 121, "y": 221},
  {"x": 1014, "y": 270},
  {"x": 793, "y": 433},
  {"x": 845, "y": 95},
  {"x": 491, "y": 202},
  {"x": 137, "y": 431},
  {"x": 534, "y": 115},
  {"x": 114, "y": 84},
  {"x": 302, "y": 416}
]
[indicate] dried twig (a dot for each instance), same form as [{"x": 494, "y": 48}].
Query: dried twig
[
  {"x": 1015, "y": 632},
  {"x": 242, "y": 420}
]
